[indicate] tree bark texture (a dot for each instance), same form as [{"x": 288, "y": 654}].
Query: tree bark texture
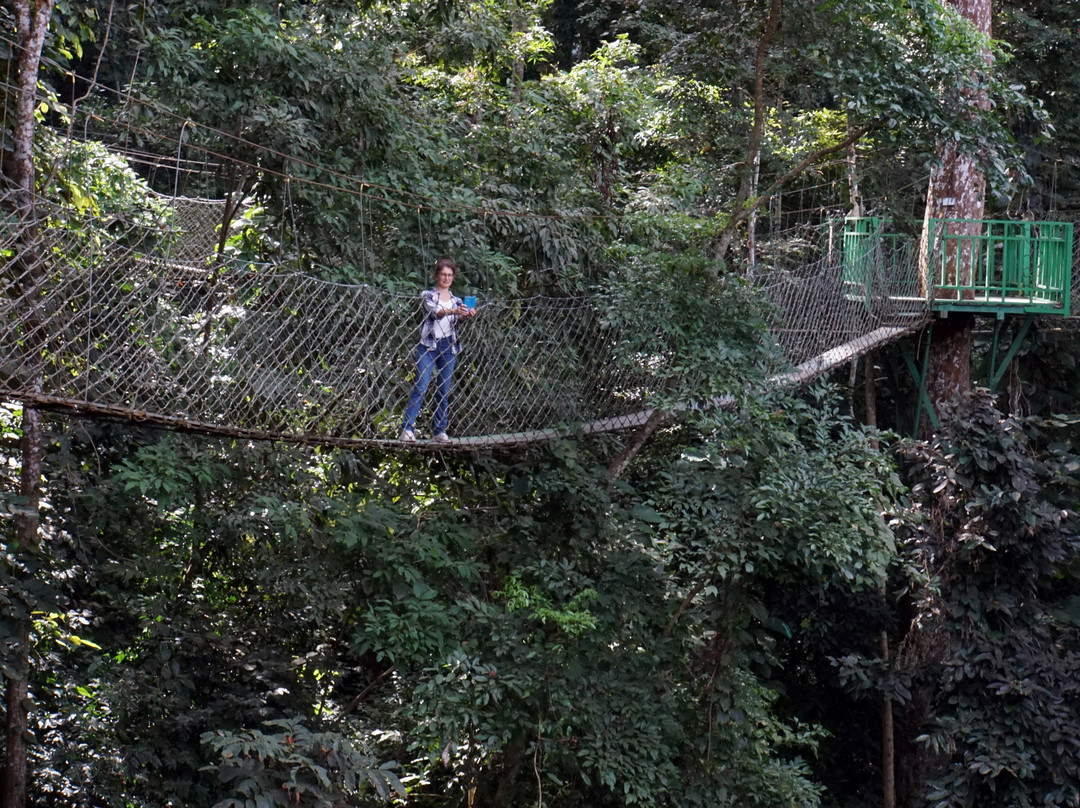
[
  {"x": 13, "y": 793},
  {"x": 32, "y": 21},
  {"x": 957, "y": 190},
  {"x": 854, "y": 194},
  {"x": 949, "y": 371}
]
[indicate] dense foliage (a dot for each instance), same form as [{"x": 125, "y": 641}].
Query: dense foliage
[
  {"x": 311, "y": 626},
  {"x": 228, "y": 623},
  {"x": 994, "y": 520}
]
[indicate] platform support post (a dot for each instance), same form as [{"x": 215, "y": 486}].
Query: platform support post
[
  {"x": 920, "y": 380},
  {"x": 997, "y": 370}
]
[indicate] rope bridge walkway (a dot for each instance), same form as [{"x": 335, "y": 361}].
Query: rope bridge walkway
[{"x": 132, "y": 319}]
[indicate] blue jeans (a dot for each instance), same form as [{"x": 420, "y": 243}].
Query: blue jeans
[{"x": 443, "y": 360}]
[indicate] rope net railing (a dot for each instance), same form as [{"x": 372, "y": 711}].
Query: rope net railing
[
  {"x": 828, "y": 310},
  {"x": 132, "y": 326},
  {"x": 134, "y": 319}
]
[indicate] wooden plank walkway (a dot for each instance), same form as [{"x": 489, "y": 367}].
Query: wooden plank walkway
[{"x": 837, "y": 356}]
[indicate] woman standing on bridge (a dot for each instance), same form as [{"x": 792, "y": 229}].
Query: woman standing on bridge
[{"x": 437, "y": 351}]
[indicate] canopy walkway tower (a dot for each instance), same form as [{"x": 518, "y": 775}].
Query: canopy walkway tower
[
  {"x": 997, "y": 269},
  {"x": 139, "y": 319}
]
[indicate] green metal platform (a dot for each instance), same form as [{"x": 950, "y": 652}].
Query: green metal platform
[{"x": 989, "y": 267}]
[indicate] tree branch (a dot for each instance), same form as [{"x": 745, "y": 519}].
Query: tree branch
[
  {"x": 693, "y": 593},
  {"x": 741, "y": 213},
  {"x": 637, "y": 442},
  {"x": 748, "y": 173}
]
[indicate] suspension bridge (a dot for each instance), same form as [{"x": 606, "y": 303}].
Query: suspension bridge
[{"x": 139, "y": 319}]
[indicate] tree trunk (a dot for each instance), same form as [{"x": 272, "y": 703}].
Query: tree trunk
[
  {"x": 854, "y": 194},
  {"x": 888, "y": 747},
  {"x": 31, "y": 23},
  {"x": 751, "y": 237},
  {"x": 870, "y": 392},
  {"x": 513, "y": 758},
  {"x": 1016, "y": 392},
  {"x": 517, "y": 79},
  {"x": 13, "y": 794},
  {"x": 949, "y": 374},
  {"x": 888, "y": 739},
  {"x": 956, "y": 190},
  {"x": 753, "y": 146},
  {"x": 957, "y": 187}
]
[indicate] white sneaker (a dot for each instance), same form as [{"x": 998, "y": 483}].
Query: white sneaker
[
  {"x": 408, "y": 435},
  {"x": 440, "y": 437}
]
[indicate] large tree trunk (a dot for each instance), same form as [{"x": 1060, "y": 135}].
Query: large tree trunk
[
  {"x": 949, "y": 373},
  {"x": 957, "y": 190},
  {"x": 32, "y": 22},
  {"x": 957, "y": 187}
]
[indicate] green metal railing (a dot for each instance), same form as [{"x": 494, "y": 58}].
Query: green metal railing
[
  {"x": 875, "y": 261},
  {"x": 999, "y": 265},
  {"x": 862, "y": 234},
  {"x": 971, "y": 264}
]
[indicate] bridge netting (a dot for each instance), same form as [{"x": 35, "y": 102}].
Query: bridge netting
[{"x": 136, "y": 318}]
